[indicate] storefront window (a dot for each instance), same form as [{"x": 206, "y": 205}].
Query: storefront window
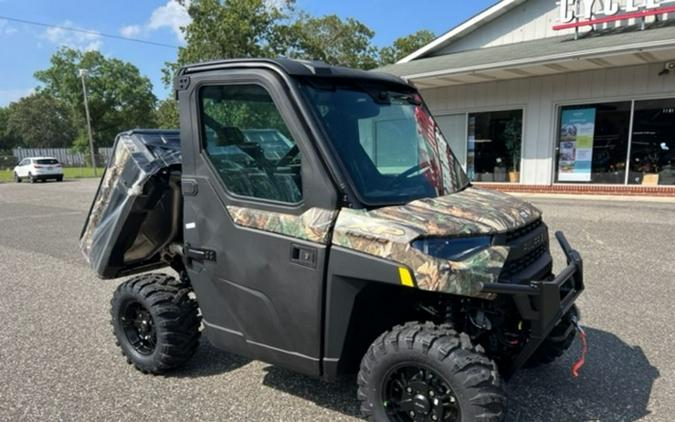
[
  {"x": 593, "y": 143},
  {"x": 494, "y": 143},
  {"x": 652, "y": 158}
]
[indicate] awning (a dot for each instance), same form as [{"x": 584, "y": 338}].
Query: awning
[{"x": 595, "y": 50}]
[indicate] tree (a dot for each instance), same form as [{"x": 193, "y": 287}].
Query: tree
[
  {"x": 8, "y": 140},
  {"x": 41, "y": 121},
  {"x": 223, "y": 29},
  {"x": 404, "y": 46},
  {"x": 166, "y": 114},
  {"x": 229, "y": 29},
  {"x": 120, "y": 98},
  {"x": 332, "y": 40}
]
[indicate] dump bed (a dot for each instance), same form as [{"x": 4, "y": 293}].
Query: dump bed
[{"x": 137, "y": 209}]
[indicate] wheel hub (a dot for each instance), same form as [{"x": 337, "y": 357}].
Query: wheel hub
[
  {"x": 415, "y": 393},
  {"x": 421, "y": 404},
  {"x": 139, "y": 328}
]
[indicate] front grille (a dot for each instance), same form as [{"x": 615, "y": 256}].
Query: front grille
[
  {"x": 523, "y": 256},
  {"x": 522, "y": 231},
  {"x": 513, "y": 267}
]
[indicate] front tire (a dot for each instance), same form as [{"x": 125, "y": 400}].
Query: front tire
[
  {"x": 31, "y": 178},
  {"x": 17, "y": 179},
  {"x": 426, "y": 372},
  {"x": 156, "y": 322}
]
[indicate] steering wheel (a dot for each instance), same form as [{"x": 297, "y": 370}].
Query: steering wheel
[{"x": 409, "y": 172}]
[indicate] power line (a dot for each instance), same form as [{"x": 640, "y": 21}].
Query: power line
[{"x": 86, "y": 31}]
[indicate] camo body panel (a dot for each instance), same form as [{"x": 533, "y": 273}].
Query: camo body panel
[
  {"x": 314, "y": 225},
  {"x": 388, "y": 233},
  {"x": 105, "y": 191}
]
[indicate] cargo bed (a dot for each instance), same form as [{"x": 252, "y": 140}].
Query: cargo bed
[{"x": 136, "y": 213}]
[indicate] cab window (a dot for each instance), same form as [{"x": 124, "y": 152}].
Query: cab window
[{"x": 248, "y": 143}]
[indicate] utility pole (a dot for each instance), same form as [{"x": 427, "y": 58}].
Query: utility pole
[{"x": 83, "y": 74}]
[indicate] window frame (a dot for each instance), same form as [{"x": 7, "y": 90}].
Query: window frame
[
  {"x": 500, "y": 109},
  {"x": 256, "y": 202}
]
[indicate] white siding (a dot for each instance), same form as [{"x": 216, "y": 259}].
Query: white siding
[
  {"x": 531, "y": 20},
  {"x": 540, "y": 96}
]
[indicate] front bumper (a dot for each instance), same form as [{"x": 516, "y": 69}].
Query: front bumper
[{"x": 543, "y": 303}]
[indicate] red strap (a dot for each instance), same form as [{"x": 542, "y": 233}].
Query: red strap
[{"x": 584, "y": 351}]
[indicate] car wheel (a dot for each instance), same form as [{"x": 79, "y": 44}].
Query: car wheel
[
  {"x": 31, "y": 178},
  {"x": 156, "y": 322},
  {"x": 59, "y": 179},
  {"x": 427, "y": 372},
  {"x": 17, "y": 179}
]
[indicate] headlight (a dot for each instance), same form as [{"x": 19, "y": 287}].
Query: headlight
[{"x": 453, "y": 249}]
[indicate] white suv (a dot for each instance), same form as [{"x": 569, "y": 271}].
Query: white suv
[{"x": 38, "y": 168}]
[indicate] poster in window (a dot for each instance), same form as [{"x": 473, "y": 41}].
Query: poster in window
[{"x": 577, "y": 128}]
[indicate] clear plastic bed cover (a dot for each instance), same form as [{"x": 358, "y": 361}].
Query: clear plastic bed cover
[{"x": 137, "y": 156}]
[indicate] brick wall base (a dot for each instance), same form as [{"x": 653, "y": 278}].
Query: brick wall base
[{"x": 580, "y": 189}]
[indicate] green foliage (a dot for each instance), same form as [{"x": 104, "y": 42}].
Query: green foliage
[
  {"x": 223, "y": 29},
  {"x": 120, "y": 98},
  {"x": 41, "y": 121},
  {"x": 404, "y": 46},
  {"x": 8, "y": 140},
  {"x": 166, "y": 115},
  {"x": 331, "y": 40}
]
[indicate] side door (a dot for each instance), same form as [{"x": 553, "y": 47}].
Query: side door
[
  {"x": 22, "y": 169},
  {"x": 258, "y": 213}
]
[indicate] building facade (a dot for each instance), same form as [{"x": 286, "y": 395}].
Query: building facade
[{"x": 538, "y": 92}]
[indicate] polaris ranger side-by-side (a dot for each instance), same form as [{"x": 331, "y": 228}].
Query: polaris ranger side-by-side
[{"x": 319, "y": 221}]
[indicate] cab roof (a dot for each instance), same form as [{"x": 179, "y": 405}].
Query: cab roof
[{"x": 293, "y": 68}]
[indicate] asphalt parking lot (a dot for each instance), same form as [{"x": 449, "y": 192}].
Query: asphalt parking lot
[{"x": 58, "y": 360}]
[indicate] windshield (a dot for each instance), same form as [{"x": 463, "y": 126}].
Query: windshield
[{"x": 386, "y": 140}]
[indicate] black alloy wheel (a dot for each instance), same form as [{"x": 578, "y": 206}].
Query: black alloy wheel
[
  {"x": 156, "y": 322},
  {"x": 139, "y": 328},
  {"x": 420, "y": 371},
  {"x": 412, "y": 392}
]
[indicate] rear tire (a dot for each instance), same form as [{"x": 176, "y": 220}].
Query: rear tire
[
  {"x": 31, "y": 178},
  {"x": 426, "y": 372},
  {"x": 17, "y": 179},
  {"x": 558, "y": 341},
  {"x": 156, "y": 322},
  {"x": 59, "y": 179}
]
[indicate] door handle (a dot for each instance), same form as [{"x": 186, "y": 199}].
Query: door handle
[
  {"x": 303, "y": 255},
  {"x": 198, "y": 254}
]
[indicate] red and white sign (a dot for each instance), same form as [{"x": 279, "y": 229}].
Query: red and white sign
[{"x": 577, "y": 13}]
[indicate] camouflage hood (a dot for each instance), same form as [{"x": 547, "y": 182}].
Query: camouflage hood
[{"x": 388, "y": 232}]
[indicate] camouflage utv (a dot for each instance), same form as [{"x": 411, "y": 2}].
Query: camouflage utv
[{"x": 318, "y": 220}]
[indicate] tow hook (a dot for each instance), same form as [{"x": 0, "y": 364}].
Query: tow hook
[{"x": 584, "y": 348}]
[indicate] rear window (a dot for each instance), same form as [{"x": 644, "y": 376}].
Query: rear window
[{"x": 47, "y": 161}]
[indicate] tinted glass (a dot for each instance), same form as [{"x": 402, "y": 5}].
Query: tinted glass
[
  {"x": 386, "y": 140},
  {"x": 494, "y": 142},
  {"x": 249, "y": 144},
  {"x": 593, "y": 143},
  {"x": 49, "y": 161},
  {"x": 652, "y": 158}
]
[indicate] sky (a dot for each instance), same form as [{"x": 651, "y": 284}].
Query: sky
[{"x": 25, "y": 48}]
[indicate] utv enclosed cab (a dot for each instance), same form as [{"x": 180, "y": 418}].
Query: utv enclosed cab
[{"x": 320, "y": 217}]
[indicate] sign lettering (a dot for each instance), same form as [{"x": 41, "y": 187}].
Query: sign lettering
[{"x": 575, "y": 13}]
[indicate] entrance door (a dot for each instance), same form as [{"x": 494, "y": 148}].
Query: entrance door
[{"x": 256, "y": 239}]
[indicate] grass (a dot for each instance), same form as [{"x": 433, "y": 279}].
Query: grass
[{"x": 68, "y": 173}]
